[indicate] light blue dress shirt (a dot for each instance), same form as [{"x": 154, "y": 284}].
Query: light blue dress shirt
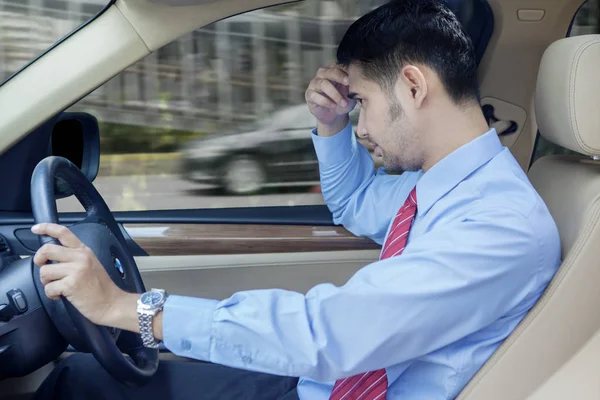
[{"x": 481, "y": 250}]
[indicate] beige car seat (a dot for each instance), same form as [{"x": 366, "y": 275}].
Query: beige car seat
[{"x": 567, "y": 105}]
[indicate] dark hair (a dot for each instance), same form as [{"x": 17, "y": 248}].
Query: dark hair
[{"x": 417, "y": 32}]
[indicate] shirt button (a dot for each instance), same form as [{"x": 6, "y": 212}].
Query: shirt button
[{"x": 186, "y": 344}]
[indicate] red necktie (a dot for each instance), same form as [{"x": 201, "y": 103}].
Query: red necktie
[{"x": 373, "y": 385}]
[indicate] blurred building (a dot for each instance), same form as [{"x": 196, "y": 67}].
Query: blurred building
[{"x": 230, "y": 72}]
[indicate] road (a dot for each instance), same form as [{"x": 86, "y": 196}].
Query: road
[{"x": 160, "y": 192}]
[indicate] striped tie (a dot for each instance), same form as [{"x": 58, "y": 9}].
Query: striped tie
[{"x": 373, "y": 385}]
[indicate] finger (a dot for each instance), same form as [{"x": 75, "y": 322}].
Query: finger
[
  {"x": 331, "y": 91},
  {"x": 53, "y": 272},
  {"x": 334, "y": 74},
  {"x": 60, "y": 232},
  {"x": 320, "y": 99},
  {"x": 55, "y": 289},
  {"x": 53, "y": 252}
]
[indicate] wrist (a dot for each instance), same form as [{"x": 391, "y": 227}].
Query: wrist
[
  {"x": 333, "y": 127},
  {"x": 123, "y": 312},
  {"x": 150, "y": 309}
]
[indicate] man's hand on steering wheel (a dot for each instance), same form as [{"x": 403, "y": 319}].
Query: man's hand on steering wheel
[
  {"x": 79, "y": 276},
  {"x": 93, "y": 273}
]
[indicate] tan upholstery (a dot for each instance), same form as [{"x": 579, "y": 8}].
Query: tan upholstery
[
  {"x": 577, "y": 379},
  {"x": 567, "y": 94},
  {"x": 568, "y": 315}
]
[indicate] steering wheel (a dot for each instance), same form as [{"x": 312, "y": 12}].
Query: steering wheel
[{"x": 100, "y": 232}]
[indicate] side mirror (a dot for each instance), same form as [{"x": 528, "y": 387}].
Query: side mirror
[{"x": 76, "y": 137}]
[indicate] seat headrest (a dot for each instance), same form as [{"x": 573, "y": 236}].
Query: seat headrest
[{"x": 567, "y": 97}]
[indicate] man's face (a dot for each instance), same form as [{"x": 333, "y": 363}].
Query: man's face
[{"x": 384, "y": 122}]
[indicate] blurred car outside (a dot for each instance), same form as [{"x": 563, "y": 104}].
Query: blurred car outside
[{"x": 275, "y": 152}]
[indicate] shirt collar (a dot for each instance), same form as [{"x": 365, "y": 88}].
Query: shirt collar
[{"x": 454, "y": 168}]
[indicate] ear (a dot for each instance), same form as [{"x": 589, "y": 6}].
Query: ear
[{"x": 413, "y": 80}]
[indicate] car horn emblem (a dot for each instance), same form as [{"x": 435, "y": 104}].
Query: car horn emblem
[{"x": 119, "y": 266}]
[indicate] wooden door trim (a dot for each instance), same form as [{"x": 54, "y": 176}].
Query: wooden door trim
[{"x": 206, "y": 239}]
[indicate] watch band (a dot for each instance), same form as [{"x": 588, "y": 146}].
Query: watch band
[{"x": 146, "y": 330}]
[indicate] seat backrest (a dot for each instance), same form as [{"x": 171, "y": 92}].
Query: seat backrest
[{"x": 567, "y": 103}]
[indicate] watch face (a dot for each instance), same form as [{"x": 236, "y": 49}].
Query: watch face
[{"x": 151, "y": 299}]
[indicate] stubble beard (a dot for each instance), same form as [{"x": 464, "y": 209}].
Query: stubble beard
[{"x": 404, "y": 157}]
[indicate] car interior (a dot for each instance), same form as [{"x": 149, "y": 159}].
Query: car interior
[{"x": 540, "y": 87}]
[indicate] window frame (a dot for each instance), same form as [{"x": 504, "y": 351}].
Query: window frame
[{"x": 59, "y": 42}]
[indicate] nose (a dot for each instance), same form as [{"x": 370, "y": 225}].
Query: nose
[{"x": 361, "y": 131}]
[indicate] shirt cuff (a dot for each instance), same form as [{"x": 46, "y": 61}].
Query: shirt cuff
[
  {"x": 332, "y": 150},
  {"x": 187, "y": 326}
]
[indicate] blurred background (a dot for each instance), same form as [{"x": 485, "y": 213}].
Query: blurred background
[{"x": 216, "y": 118}]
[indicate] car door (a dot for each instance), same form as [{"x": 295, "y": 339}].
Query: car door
[
  {"x": 302, "y": 164},
  {"x": 287, "y": 147}
]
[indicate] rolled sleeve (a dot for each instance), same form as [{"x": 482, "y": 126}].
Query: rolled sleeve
[
  {"x": 187, "y": 326},
  {"x": 335, "y": 149}
]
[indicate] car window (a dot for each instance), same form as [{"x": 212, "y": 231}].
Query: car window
[
  {"x": 29, "y": 27},
  {"x": 586, "y": 21},
  {"x": 217, "y": 118}
]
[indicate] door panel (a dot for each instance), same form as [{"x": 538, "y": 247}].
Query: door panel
[{"x": 219, "y": 276}]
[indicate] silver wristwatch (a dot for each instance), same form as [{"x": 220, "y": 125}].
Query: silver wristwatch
[{"x": 148, "y": 305}]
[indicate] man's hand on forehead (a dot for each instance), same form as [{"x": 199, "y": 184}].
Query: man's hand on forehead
[{"x": 327, "y": 96}]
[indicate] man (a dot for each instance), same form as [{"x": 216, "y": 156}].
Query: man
[{"x": 468, "y": 245}]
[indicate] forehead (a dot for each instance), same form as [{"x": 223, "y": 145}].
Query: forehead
[{"x": 358, "y": 83}]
